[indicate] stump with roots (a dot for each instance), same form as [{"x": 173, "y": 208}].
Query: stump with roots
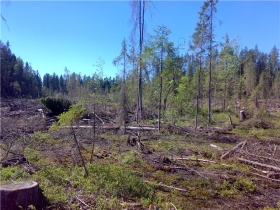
[{"x": 19, "y": 195}]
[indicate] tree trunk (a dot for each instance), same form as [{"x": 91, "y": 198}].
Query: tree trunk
[
  {"x": 20, "y": 195},
  {"x": 210, "y": 64}
]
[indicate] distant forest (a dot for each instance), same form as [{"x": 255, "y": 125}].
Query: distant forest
[{"x": 19, "y": 80}]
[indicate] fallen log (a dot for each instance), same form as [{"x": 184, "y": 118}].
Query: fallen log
[
  {"x": 113, "y": 127},
  {"x": 19, "y": 195},
  {"x": 141, "y": 128},
  {"x": 258, "y": 164},
  {"x": 228, "y": 153}
]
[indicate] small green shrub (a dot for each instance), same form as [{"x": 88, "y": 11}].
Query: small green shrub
[
  {"x": 72, "y": 115},
  {"x": 226, "y": 189},
  {"x": 132, "y": 157},
  {"x": 118, "y": 181},
  {"x": 245, "y": 185},
  {"x": 11, "y": 173},
  {"x": 261, "y": 113},
  {"x": 105, "y": 203}
]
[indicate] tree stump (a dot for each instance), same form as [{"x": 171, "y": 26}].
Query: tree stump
[
  {"x": 19, "y": 195},
  {"x": 242, "y": 115}
]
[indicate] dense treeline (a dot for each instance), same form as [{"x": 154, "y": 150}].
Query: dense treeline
[
  {"x": 19, "y": 80},
  {"x": 158, "y": 79}
]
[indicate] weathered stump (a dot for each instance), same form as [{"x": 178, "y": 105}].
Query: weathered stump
[
  {"x": 242, "y": 115},
  {"x": 19, "y": 195}
]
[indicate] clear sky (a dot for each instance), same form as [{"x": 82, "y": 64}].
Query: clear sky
[{"x": 52, "y": 35}]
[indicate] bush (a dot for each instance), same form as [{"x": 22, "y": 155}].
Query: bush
[
  {"x": 72, "y": 115},
  {"x": 56, "y": 105}
]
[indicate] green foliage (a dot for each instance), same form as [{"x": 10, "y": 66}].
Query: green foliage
[
  {"x": 231, "y": 188},
  {"x": 118, "y": 181},
  {"x": 111, "y": 181},
  {"x": 31, "y": 154},
  {"x": 11, "y": 173},
  {"x": 56, "y": 105},
  {"x": 105, "y": 203},
  {"x": 245, "y": 185},
  {"x": 261, "y": 113},
  {"x": 72, "y": 115},
  {"x": 132, "y": 157}
]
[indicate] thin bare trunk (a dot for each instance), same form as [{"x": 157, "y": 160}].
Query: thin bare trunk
[
  {"x": 198, "y": 93},
  {"x": 210, "y": 63},
  {"x": 160, "y": 91},
  {"x": 92, "y": 150}
]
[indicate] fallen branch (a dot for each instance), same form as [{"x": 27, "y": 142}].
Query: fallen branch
[
  {"x": 200, "y": 160},
  {"x": 262, "y": 157},
  {"x": 258, "y": 164},
  {"x": 274, "y": 175},
  {"x": 217, "y": 147},
  {"x": 167, "y": 186},
  {"x": 99, "y": 118},
  {"x": 81, "y": 201},
  {"x": 228, "y": 153},
  {"x": 185, "y": 167},
  {"x": 173, "y": 206},
  {"x": 265, "y": 177}
]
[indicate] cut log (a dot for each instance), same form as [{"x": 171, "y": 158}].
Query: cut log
[{"x": 19, "y": 195}]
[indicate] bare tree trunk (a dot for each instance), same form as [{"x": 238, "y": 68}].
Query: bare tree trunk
[
  {"x": 142, "y": 4},
  {"x": 198, "y": 93},
  {"x": 210, "y": 63},
  {"x": 92, "y": 150},
  {"x": 160, "y": 90}
]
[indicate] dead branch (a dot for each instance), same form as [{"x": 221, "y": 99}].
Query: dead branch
[
  {"x": 274, "y": 175},
  {"x": 217, "y": 147},
  {"x": 79, "y": 150},
  {"x": 259, "y": 156},
  {"x": 228, "y": 153},
  {"x": 185, "y": 167},
  {"x": 201, "y": 160},
  {"x": 265, "y": 177},
  {"x": 167, "y": 186},
  {"x": 99, "y": 118},
  {"x": 76, "y": 197},
  {"x": 258, "y": 164}
]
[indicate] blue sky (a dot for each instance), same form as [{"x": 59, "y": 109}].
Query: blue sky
[{"x": 52, "y": 35}]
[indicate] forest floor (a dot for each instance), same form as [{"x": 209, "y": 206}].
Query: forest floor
[{"x": 221, "y": 166}]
